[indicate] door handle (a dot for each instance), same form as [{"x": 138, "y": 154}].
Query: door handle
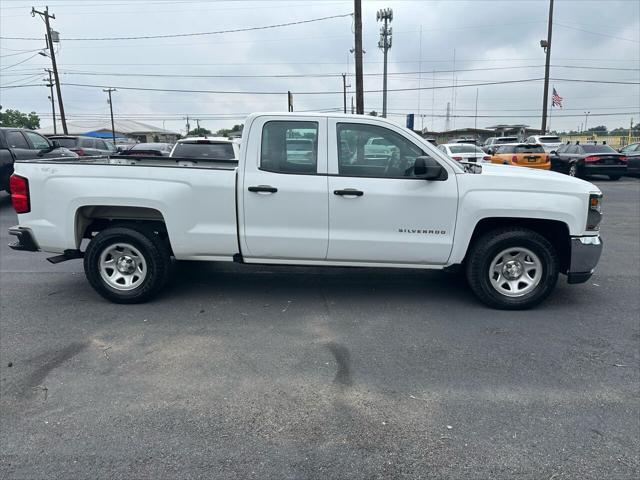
[
  {"x": 263, "y": 189},
  {"x": 349, "y": 192}
]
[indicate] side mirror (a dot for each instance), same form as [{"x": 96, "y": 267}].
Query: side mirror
[
  {"x": 429, "y": 169},
  {"x": 552, "y": 152}
]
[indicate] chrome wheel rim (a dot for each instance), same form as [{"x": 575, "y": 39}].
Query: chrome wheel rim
[
  {"x": 573, "y": 169},
  {"x": 122, "y": 266},
  {"x": 515, "y": 272}
]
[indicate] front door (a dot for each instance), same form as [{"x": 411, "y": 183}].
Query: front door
[
  {"x": 379, "y": 212},
  {"x": 284, "y": 190}
]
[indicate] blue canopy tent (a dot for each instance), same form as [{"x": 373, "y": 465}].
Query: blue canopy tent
[{"x": 103, "y": 134}]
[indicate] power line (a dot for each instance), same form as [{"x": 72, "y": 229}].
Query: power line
[
  {"x": 197, "y": 34},
  {"x": 596, "y": 33},
  {"x": 20, "y": 62}
]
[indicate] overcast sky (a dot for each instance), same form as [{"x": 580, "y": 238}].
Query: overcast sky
[{"x": 488, "y": 37}]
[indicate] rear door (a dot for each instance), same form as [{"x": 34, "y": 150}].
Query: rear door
[
  {"x": 379, "y": 212},
  {"x": 284, "y": 190}
]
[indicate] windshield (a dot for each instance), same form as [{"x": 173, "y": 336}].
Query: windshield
[
  {"x": 550, "y": 139},
  {"x": 598, "y": 149},
  {"x": 465, "y": 148},
  {"x": 205, "y": 151},
  {"x": 529, "y": 149},
  {"x": 66, "y": 142}
]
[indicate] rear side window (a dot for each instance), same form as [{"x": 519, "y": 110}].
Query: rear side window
[
  {"x": 289, "y": 147},
  {"x": 101, "y": 145},
  {"x": 16, "y": 140},
  {"x": 86, "y": 143},
  {"x": 204, "y": 151}
]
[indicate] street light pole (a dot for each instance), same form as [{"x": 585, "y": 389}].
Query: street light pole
[
  {"x": 113, "y": 128},
  {"x": 357, "y": 16},
  {"x": 586, "y": 117}
]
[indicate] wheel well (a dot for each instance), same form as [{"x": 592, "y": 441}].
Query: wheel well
[
  {"x": 92, "y": 219},
  {"x": 556, "y": 232}
]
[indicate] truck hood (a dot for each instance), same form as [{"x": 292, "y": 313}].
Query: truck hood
[{"x": 509, "y": 177}]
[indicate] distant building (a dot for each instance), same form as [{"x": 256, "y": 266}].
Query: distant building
[
  {"x": 141, "y": 132},
  {"x": 481, "y": 134}
]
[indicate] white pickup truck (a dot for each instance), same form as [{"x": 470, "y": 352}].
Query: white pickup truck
[{"x": 512, "y": 230}]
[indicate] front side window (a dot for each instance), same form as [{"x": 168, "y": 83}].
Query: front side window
[
  {"x": 38, "y": 141},
  {"x": 372, "y": 151},
  {"x": 289, "y": 147}
]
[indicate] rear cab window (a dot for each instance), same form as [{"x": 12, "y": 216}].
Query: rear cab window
[{"x": 208, "y": 151}]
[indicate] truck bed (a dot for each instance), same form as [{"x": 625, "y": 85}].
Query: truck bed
[{"x": 195, "y": 199}]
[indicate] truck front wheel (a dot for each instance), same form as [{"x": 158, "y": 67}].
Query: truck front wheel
[
  {"x": 127, "y": 265},
  {"x": 512, "y": 268}
]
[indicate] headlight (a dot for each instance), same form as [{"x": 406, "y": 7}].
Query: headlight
[{"x": 594, "y": 214}]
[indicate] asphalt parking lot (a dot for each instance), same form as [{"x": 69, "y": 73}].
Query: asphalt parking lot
[{"x": 278, "y": 372}]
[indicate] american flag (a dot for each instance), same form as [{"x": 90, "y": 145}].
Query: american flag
[{"x": 556, "y": 100}]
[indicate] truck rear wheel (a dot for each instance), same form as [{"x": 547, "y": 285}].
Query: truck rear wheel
[
  {"x": 512, "y": 268},
  {"x": 127, "y": 265}
]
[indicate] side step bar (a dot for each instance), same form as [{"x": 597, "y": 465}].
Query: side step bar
[{"x": 67, "y": 255}]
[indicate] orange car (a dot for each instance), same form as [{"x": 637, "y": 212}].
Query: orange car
[{"x": 522, "y": 155}]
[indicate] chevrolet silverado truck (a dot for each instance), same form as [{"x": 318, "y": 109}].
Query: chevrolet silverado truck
[{"x": 511, "y": 230}]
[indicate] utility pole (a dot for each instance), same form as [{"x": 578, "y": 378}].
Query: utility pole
[
  {"x": 546, "y": 45},
  {"x": 289, "y": 101},
  {"x": 357, "y": 13},
  {"x": 385, "y": 15},
  {"x": 352, "y": 107},
  {"x": 52, "y": 98},
  {"x": 188, "y": 125},
  {"x": 113, "y": 128},
  {"x": 475, "y": 122},
  {"x": 344, "y": 92},
  {"x": 49, "y": 39},
  {"x": 198, "y": 125}
]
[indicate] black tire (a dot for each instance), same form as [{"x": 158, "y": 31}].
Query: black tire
[
  {"x": 486, "y": 249},
  {"x": 573, "y": 170},
  {"x": 613, "y": 178},
  {"x": 153, "y": 250}
]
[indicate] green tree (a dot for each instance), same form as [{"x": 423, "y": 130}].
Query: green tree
[
  {"x": 199, "y": 132},
  {"x": 15, "y": 118},
  {"x": 225, "y": 132},
  {"x": 599, "y": 128}
]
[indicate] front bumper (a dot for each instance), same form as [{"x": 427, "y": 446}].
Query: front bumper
[
  {"x": 585, "y": 253},
  {"x": 25, "y": 240}
]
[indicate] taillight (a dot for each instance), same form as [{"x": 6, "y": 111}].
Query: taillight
[
  {"x": 486, "y": 158},
  {"x": 514, "y": 159},
  {"x": 79, "y": 151},
  {"x": 19, "y": 188},
  {"x": 623, "y": 159},
  {"x": 591, "y": 158},
  {"x": 457, "y": 158}
]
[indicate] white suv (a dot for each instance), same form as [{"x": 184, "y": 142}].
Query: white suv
[{"x": 548, "y": 142}]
